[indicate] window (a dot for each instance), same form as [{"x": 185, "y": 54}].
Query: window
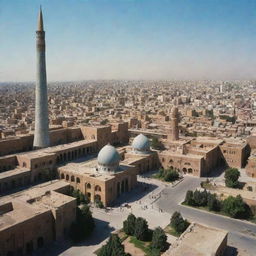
[
  {"x": 97, "y": 188},
  {"x": 77, "y": 180},
  {"x": 88, "y": 185}
]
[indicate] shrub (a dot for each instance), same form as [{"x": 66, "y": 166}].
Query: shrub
[
  {"x": 171, "y": 175},
  {"x": 213, "y": 203},
  {"x": 231, "y": 177},
  {"x": 129, "y": 225},
  {"x": 189, "y": 200},
  {"x": 159, "y": 239},
  {"x": 113, "y": 247},
  {"x": 236, "y": 207},
  {"x": 99, "y": 204},
  {"x": 178, "y": 223},
  {"x": 141, "y": 229}
]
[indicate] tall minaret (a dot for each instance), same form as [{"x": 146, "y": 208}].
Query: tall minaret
[
  {"x": 174, "y": 134},
  {"x": 41, "y": 135}
]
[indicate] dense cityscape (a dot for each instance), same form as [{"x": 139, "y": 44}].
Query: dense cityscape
[{"x": 127, "y": 167}]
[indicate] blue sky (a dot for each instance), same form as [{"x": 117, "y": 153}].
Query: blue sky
[{"x": 130, "y": 39}]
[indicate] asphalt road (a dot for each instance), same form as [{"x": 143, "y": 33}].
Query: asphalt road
[{"x": 242, "y": 234}]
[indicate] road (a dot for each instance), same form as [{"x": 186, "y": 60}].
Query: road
[{"x": 242, "y": 234}]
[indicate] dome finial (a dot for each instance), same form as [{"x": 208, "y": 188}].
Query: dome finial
[{"x": 40, "y": 26}]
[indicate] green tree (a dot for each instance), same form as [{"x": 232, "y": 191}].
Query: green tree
[
  {"x": 99, "y": 204},
  {"x": 84, "y": 224},
  {"x": 213, "y": 203},
  {"x": 113, "y": 247},
  {"x": 129, "y": 225},
  {"x": 200, "y": 198},
  {"x": 178, "y": 223},
  {"x": 159, "y": 239},
  {"x": 231, "y": 177},
  {"x": 189, "y": 200},
  {"x": 141, "y": 229},
  {"x": 171, "y": 175},
  {"x": 236, "y": 207}
]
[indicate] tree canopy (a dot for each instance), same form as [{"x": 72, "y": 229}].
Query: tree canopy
[
  {"x": 129, "y": 225},
  {"x": 236, "y": 207},
  {"x": 113, "y": 247},
  {"x": 141, "y": 229},
  {"x": 231, "y": 177},
  {"x": 159, "y": 239},
  {"x": 178, "y": 223}
]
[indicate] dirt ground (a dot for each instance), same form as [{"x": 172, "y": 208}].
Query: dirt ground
[{"x": 130, "y": 248}]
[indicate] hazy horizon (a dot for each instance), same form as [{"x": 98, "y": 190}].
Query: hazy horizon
[{"x": 130, "y": 40}]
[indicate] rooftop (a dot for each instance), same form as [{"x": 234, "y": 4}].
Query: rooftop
[
  {"x": 32, "y": 202},
  {"x": 198, "y": 240}
]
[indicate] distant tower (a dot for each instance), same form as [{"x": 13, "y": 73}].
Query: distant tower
[
  {"x": 174, "y": 133},
  {"x": 41, "y": 135},
  {"x": 221, "y": 88}
]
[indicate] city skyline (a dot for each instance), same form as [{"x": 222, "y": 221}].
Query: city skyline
[{"x": 130, "y": 39}]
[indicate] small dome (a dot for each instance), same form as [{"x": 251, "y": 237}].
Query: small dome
[
  {"x": 108, "y": 158},
  {"x": 141, "y": 143}
]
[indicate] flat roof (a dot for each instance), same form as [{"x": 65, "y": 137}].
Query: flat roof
[
  {"x": 14, "y": 172},
  {"x": 88, "y": 168},
  {"x": 32, "y": 202},
  {"x": 177, "y": 154},
  {"x": 197, "y": 240},
  {"x": 51, "y": 150}
]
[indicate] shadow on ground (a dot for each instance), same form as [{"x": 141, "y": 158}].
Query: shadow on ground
[
  {"x": 141, "y": 190},
  {"x": 101, "y": 232},
  {"x": 230, "y": 251}
]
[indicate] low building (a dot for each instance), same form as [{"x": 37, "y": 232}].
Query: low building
[
  {"x": 103, "y": 179},
  {"x": 251, "y": 165},
  {"x": 35, "y": 217},
  {"x": 199, "y": 240}
]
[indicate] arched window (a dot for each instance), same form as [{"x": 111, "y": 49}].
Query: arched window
[
  {"x": 97, "y": 188},
  {"x": 62, "y": 176},
  {"x": 88, "y": 185},
  {"x": 77, "y": 180},
  {"x": 72, "y": 178},
  {"x": 67, "y": 177}
]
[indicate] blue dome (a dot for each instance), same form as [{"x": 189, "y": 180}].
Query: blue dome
[
  {"x": 141, "y": 143},
  {"x": 108, "y": 156}
]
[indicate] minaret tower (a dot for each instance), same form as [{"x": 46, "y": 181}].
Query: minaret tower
[
  {"x": 41, "y": 135},
  {"x": 174, "y": 133}
]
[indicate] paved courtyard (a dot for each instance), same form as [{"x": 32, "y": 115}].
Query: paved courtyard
[{"x": 156, "y": 201}]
